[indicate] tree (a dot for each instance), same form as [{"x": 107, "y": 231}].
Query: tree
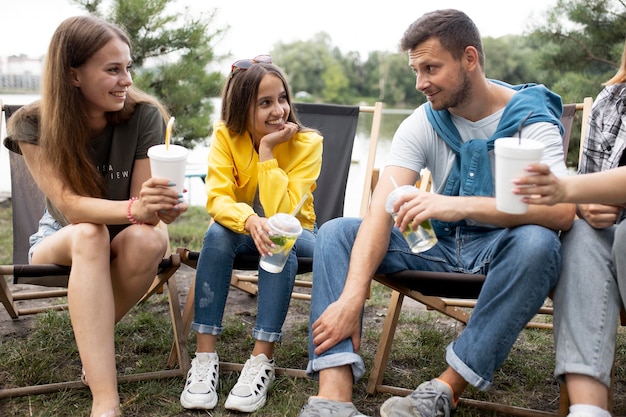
[
  {"x": 509, "y": 59},
  {"x": 171, "y": 52},
  {"x": 580, "y": 44}
]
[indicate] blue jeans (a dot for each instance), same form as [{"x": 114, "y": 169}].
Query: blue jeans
[
  {"x": 48, "y": 225},
  {"x": 587, "y": 300},
  {"x": 522, "y": 265},
  {"x": 214, "y": 271}
]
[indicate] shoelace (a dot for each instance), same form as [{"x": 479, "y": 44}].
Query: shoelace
[
  {"x": 201, "y": 369},
  {"x": 434, "y": 395},
  {"x": 250, "y": 371}
]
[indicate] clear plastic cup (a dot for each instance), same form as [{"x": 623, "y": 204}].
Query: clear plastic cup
[
  {"x": 169, "y": 163},
  {"x": 424, "y": 237},
  {"x": 512, "y": 156},
  {"x": 285, "y": 230}
]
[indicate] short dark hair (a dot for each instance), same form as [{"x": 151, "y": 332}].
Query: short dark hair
[{"x": 453, "y": 28}]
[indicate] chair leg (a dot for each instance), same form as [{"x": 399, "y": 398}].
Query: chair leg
[
  {"x": 180, "y": 336},
  {"x": 386, "y": 340},
  {"x": 563, "y": 400},
  {"x": 7, "y": 299},
  {"x": 186, "y": 319}
]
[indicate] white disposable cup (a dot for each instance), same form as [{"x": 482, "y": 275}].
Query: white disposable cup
[
  {"x": 169, "y": 163},
  {"x": 285, "y": 230},
  {"x": 424, "y": 237},
  {"x": 512, "y": 156}
]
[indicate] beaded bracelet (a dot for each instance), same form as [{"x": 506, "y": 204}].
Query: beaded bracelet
[{"x": 129, "y": 215}]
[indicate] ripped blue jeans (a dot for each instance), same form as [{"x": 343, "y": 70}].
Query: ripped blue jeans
[{"x": 213, "y": 274}]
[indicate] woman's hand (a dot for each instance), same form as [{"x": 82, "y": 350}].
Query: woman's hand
[
  {"x": 158, "y": 201},
  {"x": 257, "y": 227},
  {"x": 269, "y": 141},
  {"x": 280, "y": 136},
  {"x": 540, "y": 186}
]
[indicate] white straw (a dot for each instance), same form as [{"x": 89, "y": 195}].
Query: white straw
[
  {"x": 393, "y": 181},
  {"x": 300, "y": 204}
]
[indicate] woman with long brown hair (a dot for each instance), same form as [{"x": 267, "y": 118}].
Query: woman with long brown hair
[{"x": 85, "y": 143}]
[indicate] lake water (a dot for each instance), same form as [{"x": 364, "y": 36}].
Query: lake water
[{"x": 196, "y": 163}]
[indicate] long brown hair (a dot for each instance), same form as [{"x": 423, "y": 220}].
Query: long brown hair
[
  {"x": 620, "y": 76},
  {"x": 64, "y": 131}
]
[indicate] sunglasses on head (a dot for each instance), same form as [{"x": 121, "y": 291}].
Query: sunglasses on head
[{"x": 244, "y": 64}]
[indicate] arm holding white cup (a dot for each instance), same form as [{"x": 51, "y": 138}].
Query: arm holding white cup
[{"x": 541, "y": 186}]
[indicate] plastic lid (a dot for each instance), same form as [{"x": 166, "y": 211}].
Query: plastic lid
[
  {"x": 172, "y": 153},
  {"x": 286, "y": 224},
  {"x": 396, "y": 193}
]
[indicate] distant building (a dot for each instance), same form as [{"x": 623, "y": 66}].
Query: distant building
[{"x": 20, "y": 73}]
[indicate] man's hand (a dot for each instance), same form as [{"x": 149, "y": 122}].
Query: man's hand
[{"x": 340, "y": 321}]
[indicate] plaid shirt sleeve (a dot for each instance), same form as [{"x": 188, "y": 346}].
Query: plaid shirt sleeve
[{"x": 606, "y": 134}]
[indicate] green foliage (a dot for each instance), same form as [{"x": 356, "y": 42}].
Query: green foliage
[
  {"x": 579, "y": 45},
  {"x": 171, "y": 53}
]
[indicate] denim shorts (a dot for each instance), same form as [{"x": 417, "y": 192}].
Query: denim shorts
[{"x": 48, "y": 225}]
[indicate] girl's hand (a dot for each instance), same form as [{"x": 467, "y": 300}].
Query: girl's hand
[
  {"x": 257, "y": 227},
  {"x": 168, "y": 216},
  {"x": 540, "y": 186},
  {"x": 600, "y": 216},
  {"x": 280, "y": 136},
  {"x": 157, "y": 201}
]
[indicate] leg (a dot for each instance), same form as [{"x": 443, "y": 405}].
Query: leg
[
  {"x": 586, "y": 303},
  {"x": 106, "y": 280},
  {"x": 257, "y": 376},
  {"x": 338, "y": 367},
  {"x": 330, "y": 266},
  {"x": 135, "y": 256},
  {"x": 522, "y": 265},
  {"x": 212, "y": 284},
  {"x": 513, "y": 292}
]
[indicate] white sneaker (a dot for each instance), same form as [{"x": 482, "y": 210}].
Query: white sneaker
[
  {"x": 200, "y": 390},
  {"x": 250, "y": 391}
]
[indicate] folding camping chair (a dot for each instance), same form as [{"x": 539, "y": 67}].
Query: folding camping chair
[
  {"x": 28, "y": 204},
  {"x": 448, "y": 293},
  {"x": 338, "y": 125}
]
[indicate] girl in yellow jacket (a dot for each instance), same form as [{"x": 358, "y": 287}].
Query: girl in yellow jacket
[{"x": 262, "y": 161}]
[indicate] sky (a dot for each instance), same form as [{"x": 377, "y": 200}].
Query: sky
[{"x": 256, "y": 26}]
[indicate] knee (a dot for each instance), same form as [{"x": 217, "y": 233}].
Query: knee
[
  {"x": 149, "y": 241},
  {"x": 90, "y": 237},
  {"x": 537, "y": 240}
]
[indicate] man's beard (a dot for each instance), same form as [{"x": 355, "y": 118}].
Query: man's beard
[{"x": 460, "y": 96}]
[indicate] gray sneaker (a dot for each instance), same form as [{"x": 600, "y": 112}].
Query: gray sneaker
[
  {"x": 321, "y": 407},
  {"x": 431, "y": 399}
]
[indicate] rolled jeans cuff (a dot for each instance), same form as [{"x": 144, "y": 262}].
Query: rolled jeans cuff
[
  {"x": 206, "y": 329},
  {"x": 462, "y": 369},
  {"x": 336, "y": 360},
  {"x": 265, "y": 336}
]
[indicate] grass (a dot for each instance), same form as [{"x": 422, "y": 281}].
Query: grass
[{"x": 47, "y": 353}]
